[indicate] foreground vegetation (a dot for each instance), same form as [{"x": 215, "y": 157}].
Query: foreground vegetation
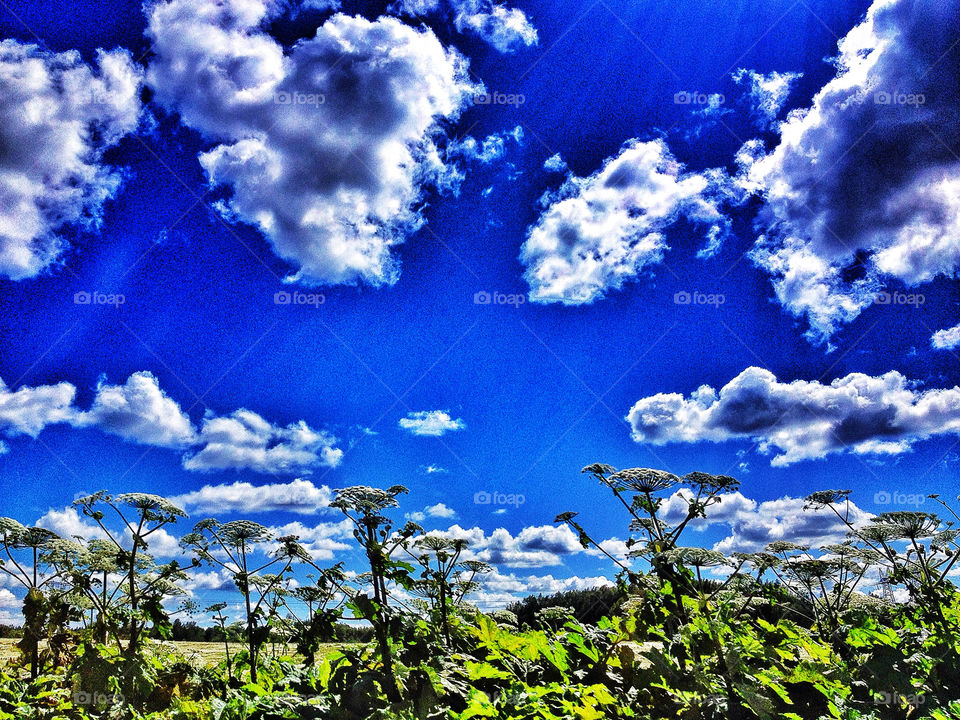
[{"x": 783, "y": 633}]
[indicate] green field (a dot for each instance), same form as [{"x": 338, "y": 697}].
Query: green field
[{"x": 210, "y": 653}]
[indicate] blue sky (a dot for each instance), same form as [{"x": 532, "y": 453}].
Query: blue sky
[{"x": 167, "y": 170}]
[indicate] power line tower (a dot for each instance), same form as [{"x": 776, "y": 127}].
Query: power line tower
[{"x": 886, "y": 587}]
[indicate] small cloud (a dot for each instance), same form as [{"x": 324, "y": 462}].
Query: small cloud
[
  {"x": 555, "y": 164},
  {"x": 440, "y": 511},
  {"x": 490, "y": 149},
  {"x": 767, "y": 93},
  {"x": 434, "y": 423},
  {"x": 433, "y": 469},
  {"x": 946, "y": 339}
]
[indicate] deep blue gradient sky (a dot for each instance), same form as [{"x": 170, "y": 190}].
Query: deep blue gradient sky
[{"x": 542, "y": 389}]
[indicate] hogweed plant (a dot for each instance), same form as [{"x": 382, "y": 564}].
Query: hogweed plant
[
  {"x": 233, "y": 547},
  {"x": 145, "y": 583},
  {"x": 373, "y": 530},
  {"x": 36, "y": 571}
]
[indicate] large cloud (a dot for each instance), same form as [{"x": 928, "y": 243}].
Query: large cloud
[
  {"x": 244, "y": 440},
  {"x": 298, "y": 496},
  {"x": 57, "y": 117},
  {"x": 803, "y": 419},
  {"x": 326, "y": 148},
  {"x": 599, "y": 231},
  {"x": 865, "y": 184}
]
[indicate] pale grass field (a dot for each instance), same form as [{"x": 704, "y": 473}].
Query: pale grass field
[{"x": 209, "y": 653}]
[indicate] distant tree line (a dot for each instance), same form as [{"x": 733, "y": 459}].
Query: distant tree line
[{"x": 588, "y": 605}]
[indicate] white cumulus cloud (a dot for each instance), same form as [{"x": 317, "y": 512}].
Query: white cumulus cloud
[
  {"x": 244, "y": 440},
  {"x": 326, "y": 146},
  {"x": 28, "y": 410},
  {"x": 863, "y": 186},
  {"x": 946, "y": 339},
  {"x": 802, "y": 420},
  {"x": 139, "y": 411},
  {"x": 57, "y": 118},
  {"x": 598, "y": 232},
  {"x": 297, "y": 496}
]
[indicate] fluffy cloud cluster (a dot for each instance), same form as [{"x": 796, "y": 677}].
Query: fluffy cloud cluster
[
  {"x": 245, "y": 440},
  {"x": 767, "y": 93},
  {"x": 537, "y": 546},
  {"x": 325, "y": 147},
  {"x": 599, "y": 231},
  {"x": 68, "y": 523},
  {"x": 58, "y": 117},
  {"x": 753, "y": 525},
  {"x": 431, "y": 422},
  {"x": 507, "y": 29},
  {"x": 864, "y": 185},
  {"x": 297, "y": 496},
  {"x": 802, "y": 420},
  {"x": 139, "y": 411}
]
